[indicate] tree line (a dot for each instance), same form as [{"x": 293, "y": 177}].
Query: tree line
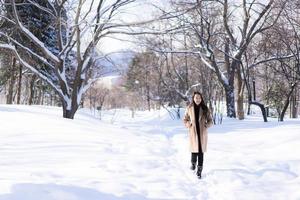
[{"x": 245, "y": 53}]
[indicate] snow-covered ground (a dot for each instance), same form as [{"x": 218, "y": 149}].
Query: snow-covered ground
[{"x": 46, "y": 157}]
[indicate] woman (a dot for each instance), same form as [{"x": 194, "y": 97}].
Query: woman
[{"x": 197, "y": 119}]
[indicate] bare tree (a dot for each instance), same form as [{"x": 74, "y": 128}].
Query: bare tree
[
  {"x": 77, "y": 36},
  {"x": 141, "y": 77},
  {"x": 281, "y": 39},
  {"x": 179, "y": 72},
  {"x": 220, "y": 39},
  {"x": 96, "y": 96}
]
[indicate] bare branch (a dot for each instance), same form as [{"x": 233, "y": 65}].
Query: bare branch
[{"x": 275, "y": 58}]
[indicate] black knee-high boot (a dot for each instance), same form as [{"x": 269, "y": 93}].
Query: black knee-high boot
[
  {"x": 200, "y": 165},
  {"x": 193, "y": 161},
  {"x": 193, "y": 166},
  {"x": 199, "y": 171}
]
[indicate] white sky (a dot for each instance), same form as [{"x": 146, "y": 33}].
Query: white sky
[
  {"x": 139, "y": 12},
  {"x": 135, "y": 12}
]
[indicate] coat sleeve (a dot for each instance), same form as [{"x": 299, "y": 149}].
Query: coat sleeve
[
  {"x": 187, "y": 118},
  {"x": 209, "y": 121}
]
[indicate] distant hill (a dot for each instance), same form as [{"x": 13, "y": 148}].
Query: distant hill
[{"x": 115, "y": 63}]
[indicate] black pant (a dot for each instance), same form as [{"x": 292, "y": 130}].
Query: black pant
[
  {"x": 200, "y": 158},
  {"x": 200, "y": 153}
]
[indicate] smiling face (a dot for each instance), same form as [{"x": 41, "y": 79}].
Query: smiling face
[{"x": 197, "y": 99}]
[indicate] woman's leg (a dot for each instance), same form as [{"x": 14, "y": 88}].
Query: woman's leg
[
  {"x": 193, "y": 161},
  {"x": 200, "y": 164},
  {"x": 200, "y": 159},
  {"x": 194, "y": 158}
]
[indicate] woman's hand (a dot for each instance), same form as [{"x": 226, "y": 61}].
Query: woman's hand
[
  {"x": 208, "y": 124},
  {"x": 188, "y": 124}
]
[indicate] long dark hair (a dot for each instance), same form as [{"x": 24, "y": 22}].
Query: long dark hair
[{"x": 202, "y": 104}]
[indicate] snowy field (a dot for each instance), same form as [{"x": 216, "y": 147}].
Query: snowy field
[{"x": 46, "y": 157}]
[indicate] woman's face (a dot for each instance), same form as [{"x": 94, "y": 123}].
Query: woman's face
[{"x": 197, "y": 99}]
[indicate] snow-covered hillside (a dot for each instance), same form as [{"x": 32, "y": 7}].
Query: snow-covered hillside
[{"x": 46, "y": 157}]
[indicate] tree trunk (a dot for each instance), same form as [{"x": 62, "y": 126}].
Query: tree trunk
[
  {"x": 19, "y": 84},
  {"x": 31, "y": 87},
  {"x": 240, "y": 107},
  {"x": 148, "y": 97},
  {"x": 69, "y": 114},
  {"x": 286, "y": 103},
  {"x": 262, "y": 108},
  {"x": 250, "y": 102},
  {"x": 43, "y": 97},
  {"x": 229, "y": 87},
  {"x": 10, "y": 94},
  {"x": 240, "y": 97},
  {"x": 294, "y": 105},
  {"x": 230, "y": 102},
  {"x": 249, "y": 95},
  {"x": 40, "y": 93}
]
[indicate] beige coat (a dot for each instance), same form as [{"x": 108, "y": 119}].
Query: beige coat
[{"x": 205, "y": 123}]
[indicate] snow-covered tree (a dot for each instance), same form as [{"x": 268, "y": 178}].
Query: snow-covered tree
[
  {"x": 66, "y": 61},
  {"x": 220, "y": 32}
]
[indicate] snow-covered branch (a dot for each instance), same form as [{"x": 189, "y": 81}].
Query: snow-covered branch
[
  {"x": 43, "y": 60},
  {"x": 32, "y": 37}
]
